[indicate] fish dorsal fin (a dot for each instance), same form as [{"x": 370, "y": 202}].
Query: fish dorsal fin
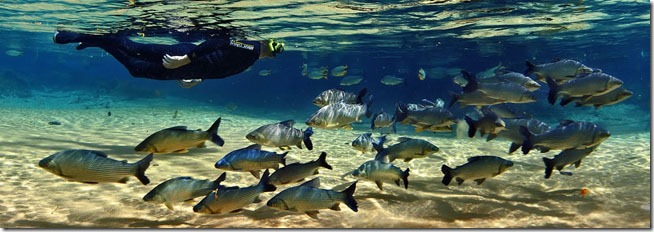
[
  {"x": 254, "y": 146},
  {"x": 99, "y": 153},
  {"x": 288, "y": 123},
  {"x": 403, "y": 139},
  {"x": 565, "y": 122},
  {"x": 313, "y": 183},
  {"x": 368, "y": 134},
  {"x": 475, "y": 158},
  {"x": 177, "y": 128}
]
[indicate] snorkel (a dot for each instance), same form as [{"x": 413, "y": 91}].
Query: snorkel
[{"x": 275, "y": 47}]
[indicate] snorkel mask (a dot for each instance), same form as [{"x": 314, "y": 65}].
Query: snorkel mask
[{"x": 275, "y": 47}]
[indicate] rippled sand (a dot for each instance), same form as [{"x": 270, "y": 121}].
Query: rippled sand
[{"x": 617, "y": 175}]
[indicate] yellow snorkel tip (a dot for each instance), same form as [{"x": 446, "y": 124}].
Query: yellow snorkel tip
[{"x": 275, "y": 47}]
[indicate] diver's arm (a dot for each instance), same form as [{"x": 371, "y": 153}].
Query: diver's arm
[{"x": 207, "y": 47}]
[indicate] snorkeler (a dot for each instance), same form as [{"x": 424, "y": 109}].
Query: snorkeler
[{"x": 188, "y": 63}]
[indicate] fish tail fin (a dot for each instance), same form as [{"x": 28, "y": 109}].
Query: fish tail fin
[
  {"x": 549, "y": 167},
  {"x": 372, "y": 122},
  {"x": 213, "y": 133},
  {"x": 348, "y": 197},
  {"x": 307, "y": 138},
  {"x": 566, "y": 100},
  {"x": 531, "y": 67},
  {"x": 264, "y": 182},
  {"x": 405, "y": 178},
  {"x": 141, "y": 166},
  {"x": 221, "y": 178},
  {"x": 471, "y": 126},
  {"x": 454, "y": 98},
  {"x": 283, "y": 161},
  {"x": 379, "y": 147},
  {"x": 361, "y": 94},
  {"x": 368, "y": 105},
  {"x": 527, "y": 143},
  {"x": 401, "y": 112},
  {"x": 472, "y": 82},
  {"x": 448, "y": 174},
  {"x": 322, "y": 161},
  {"x": 551, "y": 96}
]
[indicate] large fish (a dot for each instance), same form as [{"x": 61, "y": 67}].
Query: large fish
[
  {"x": 513, "y": 77},
  {"x": 505, "y": 111},
  {"x": 593, "y": 84},
  {"x": 296, "y": 172},
  {"x": 489, "y": 124},
  {"x": 181, "y": 189},
  {"x": 251, "y": 159},
  {"x": 178, "y": 139},
  {"x": 474, "y": 98},
  {"x": 568, "y": 135},
  {"x": 281, "y": 135},
  {"x": 491, "y": 72},
  {"x": 339, "y": 115},
  {"x": 425, "y": 117},
  {"x": 331, "y": 96},
  {"x": 612, "y": 97},
  {"x": 309, "y": 198},
  {"x": 506, "y": 91},
  {"x": 88, "y": 166},
  {"x": 478, "y": 168},
  {"x": 382, "y": 120},
  {"x": 407, "y": 149},
  {"x": 561, "y": 71},
  {"x": 365, "y": 143},
  {"x": 379, "y": 172},
  {"x": 566, "y": 157},
  {"x": 512, "y": 130},
  {"x": 233, "y": 199}
]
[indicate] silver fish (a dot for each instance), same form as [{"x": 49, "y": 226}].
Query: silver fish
[
  {"x": 568, "y": 135},
  {"x": 88, "y": 166},
  {"x": 382, "y": 120},
  {"x": 594, "y": 84},
  {"x": 512, "y": 130},
  {"x": 178, "y": 139},
  {"x": 474, "y": 98},
  {"x": 505, "y": 111},
  {"x": 491, "y": 72},
  {"x": 251, "y": 159},
  {"x": 379, "y": 172},
  {"x": 331, "y": 96},
  {"x": 181, "y": 189},
  {"x": 506, "y": 91},
  {"x": 478, "y": 168},
  {"x": 391, "y": 80},
  {"x": 296, "y": 172},
  {"x": 339, "y": 115},
  {"x": 351, "y": 80},
  {"x": 424, "y": 118},
  {"x": 513, "y": 77},
  {"x": 309, "y": 198},
  {"x": 407, "y": 149},
  {"x": 233, "y": 199},
  {"x": 561, "y": 71},
  {"x": 570, "y": 156},
  {"x": 339, "y": 71},
  {"x": 489, "y": 124},
  {"x": 614, "y": 96},
  {"x": 365, "y": 143},
  {"x": 281, "y": 135}
]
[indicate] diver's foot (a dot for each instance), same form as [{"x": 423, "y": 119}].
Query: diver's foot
[
  {"x": 64, "y": 37},
  {"x": 188, "y": 83}
]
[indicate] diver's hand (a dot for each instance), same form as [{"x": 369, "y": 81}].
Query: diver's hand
[{"x": 173, "y": 62}]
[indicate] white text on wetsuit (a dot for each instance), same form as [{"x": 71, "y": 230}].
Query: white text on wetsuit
[{"x": 241, "y": 45}]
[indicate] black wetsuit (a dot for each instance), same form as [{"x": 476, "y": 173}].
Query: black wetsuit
[{"x": 212, "y": 59}]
